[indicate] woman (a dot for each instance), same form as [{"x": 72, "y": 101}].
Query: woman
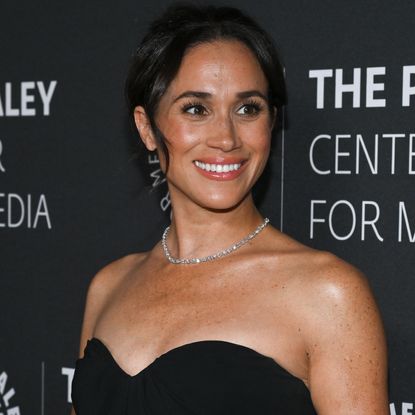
[{"x": 226, "y": 315}]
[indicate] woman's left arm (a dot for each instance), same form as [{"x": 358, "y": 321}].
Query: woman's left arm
[{"x": 346, "y": 344}]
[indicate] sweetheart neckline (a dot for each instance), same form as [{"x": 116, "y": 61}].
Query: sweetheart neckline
[{"x": 182, "y": 347}]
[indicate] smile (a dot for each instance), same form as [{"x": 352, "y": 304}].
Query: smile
[{"x": 218, "y": 168}]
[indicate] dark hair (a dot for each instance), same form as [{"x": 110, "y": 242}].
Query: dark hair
[{"x": 158, "y": 57}]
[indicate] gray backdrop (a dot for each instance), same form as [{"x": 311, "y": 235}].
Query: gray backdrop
[{"x": 74, "y": 194}]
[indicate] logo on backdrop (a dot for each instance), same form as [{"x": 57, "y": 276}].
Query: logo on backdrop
[
  {"x": 7, "y": 397},
  {"x": 24, "y": 99},
  {"x": 68, "y": 372},
  {"x": 385, "y": 154},
  {"x": 157, "y": 178},
  {"x": 2, "y": 168},
  {"x": 401, "y": 409}
]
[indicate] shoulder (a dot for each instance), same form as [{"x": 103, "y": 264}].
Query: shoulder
[
  {"x": 318, "y": 274},
  {"x": 329, "y": 288},
  {"x": 342, "y": 334},
  {"x": 104, "y": 283},
  {"x": 334, "y": 284},
  {"x": 325, "y": 290},
  {"x": 111, "y": 275}
]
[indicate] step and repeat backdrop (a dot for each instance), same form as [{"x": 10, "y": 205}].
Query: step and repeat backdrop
[{"x": 77, "y": 192}]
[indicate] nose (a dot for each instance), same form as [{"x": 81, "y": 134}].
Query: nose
[{"x": 223, "y": 134}]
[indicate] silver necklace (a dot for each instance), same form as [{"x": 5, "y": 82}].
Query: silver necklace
[{"x": 219, "y": 254}]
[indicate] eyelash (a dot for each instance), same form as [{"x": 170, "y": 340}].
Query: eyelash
[{"x": 257, "y": 106}]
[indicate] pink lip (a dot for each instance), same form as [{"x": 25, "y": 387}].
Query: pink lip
[{"x": 223, "y": 176}]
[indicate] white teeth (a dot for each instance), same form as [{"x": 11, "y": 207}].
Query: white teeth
[{"x": 220, "y": 168}]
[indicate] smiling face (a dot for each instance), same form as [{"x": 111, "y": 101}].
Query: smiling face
[{"x": 216, "y": 119}]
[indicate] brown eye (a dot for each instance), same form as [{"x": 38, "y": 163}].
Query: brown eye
[
  {"x": 195, "y": 109},
  {"x": 249, "y": 109}
]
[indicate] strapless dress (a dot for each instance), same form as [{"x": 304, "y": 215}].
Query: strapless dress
[{"x": 206, "y": 377}]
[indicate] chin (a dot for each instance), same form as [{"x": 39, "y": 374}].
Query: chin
[{"x": 220, "y": 202}]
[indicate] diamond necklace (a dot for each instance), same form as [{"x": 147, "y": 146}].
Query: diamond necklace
[{"x": 219, "y": 254}]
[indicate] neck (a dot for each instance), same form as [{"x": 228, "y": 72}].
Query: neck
[{"x": 201, "y": 232}]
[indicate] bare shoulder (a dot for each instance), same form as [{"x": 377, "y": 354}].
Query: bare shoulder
[
  {"x": 321, "y": 275},
  {"x": 103, "y": 284},
  {"x": 342, "y": 332},
  {"x": 327, "y": 287},
  {"x": 334, "y": 284},
  {"x": 112, "y": 274}
]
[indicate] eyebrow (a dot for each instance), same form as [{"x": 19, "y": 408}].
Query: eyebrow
[{"x": 206, "y": 95}]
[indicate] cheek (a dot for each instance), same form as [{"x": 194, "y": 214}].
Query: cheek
[
  {"x": 258, "y": 138},
  {"x": 180, "y": 136}
]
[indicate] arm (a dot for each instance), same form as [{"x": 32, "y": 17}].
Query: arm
[{"x": 346, "y": 345}]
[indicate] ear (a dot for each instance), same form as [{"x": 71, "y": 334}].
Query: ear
[{"x": 142, "y": 122}]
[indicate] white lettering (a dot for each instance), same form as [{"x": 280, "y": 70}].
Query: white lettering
[
  {"x": 46, "y": 95},
  {"x": 69, "y": 373},
  {"x": 407, "y": 408},
  {"x": 10, "y": 111},
  {"x": 411, "y": 169},
  {"x": 320, "y": 75},
  {"x": 371, "y": 222},
  {"x": 373, "y": 165},
  {"x": 342, "y": 88},
  {"x": 372, "y": 86},
  {"x": 367, "y": 220},
  {"x": 11, "y": 208},
  {"x": 311, "y": 154},
  {"x": 393, "y": 137},
  {"x": 18, "y": 208},
  {"x": 26, "y": 98},
  {"x": 42, "y": 210},
  {"x": 407, "y": 89},
  {"x": 404, "y": 216},
  {"x": 3, "y": 381},
  {"x": 165, "y": 202},
  {"x": 2, "y": 169},
  {"x": 314, "y": 220},
  {"x": 153, "y": 158},
  {"x": 339, "y": 154},
  {"x": 9, "y": 108},
  {"x": 2, "y": 225},
  {"x": 352, "y": 228},
  {"x": 8, "y": 395},
  {"x": 158, "y": 177}
]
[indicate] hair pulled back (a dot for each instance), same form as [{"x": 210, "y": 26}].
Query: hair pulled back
[{"x": 158, "y": 57}]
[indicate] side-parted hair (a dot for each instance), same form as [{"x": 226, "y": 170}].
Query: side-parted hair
[{"x": 182, "y": 26}]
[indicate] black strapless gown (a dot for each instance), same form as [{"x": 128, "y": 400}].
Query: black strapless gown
[{"x": 205, "y": 377}]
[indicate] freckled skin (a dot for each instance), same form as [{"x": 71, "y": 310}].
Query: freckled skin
[{"x": 311, "y": 312}]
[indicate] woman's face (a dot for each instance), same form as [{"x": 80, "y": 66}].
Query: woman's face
[{"x": 217, "y": 123}]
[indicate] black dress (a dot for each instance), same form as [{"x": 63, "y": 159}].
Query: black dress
[{"x": 206, "y": 377}]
